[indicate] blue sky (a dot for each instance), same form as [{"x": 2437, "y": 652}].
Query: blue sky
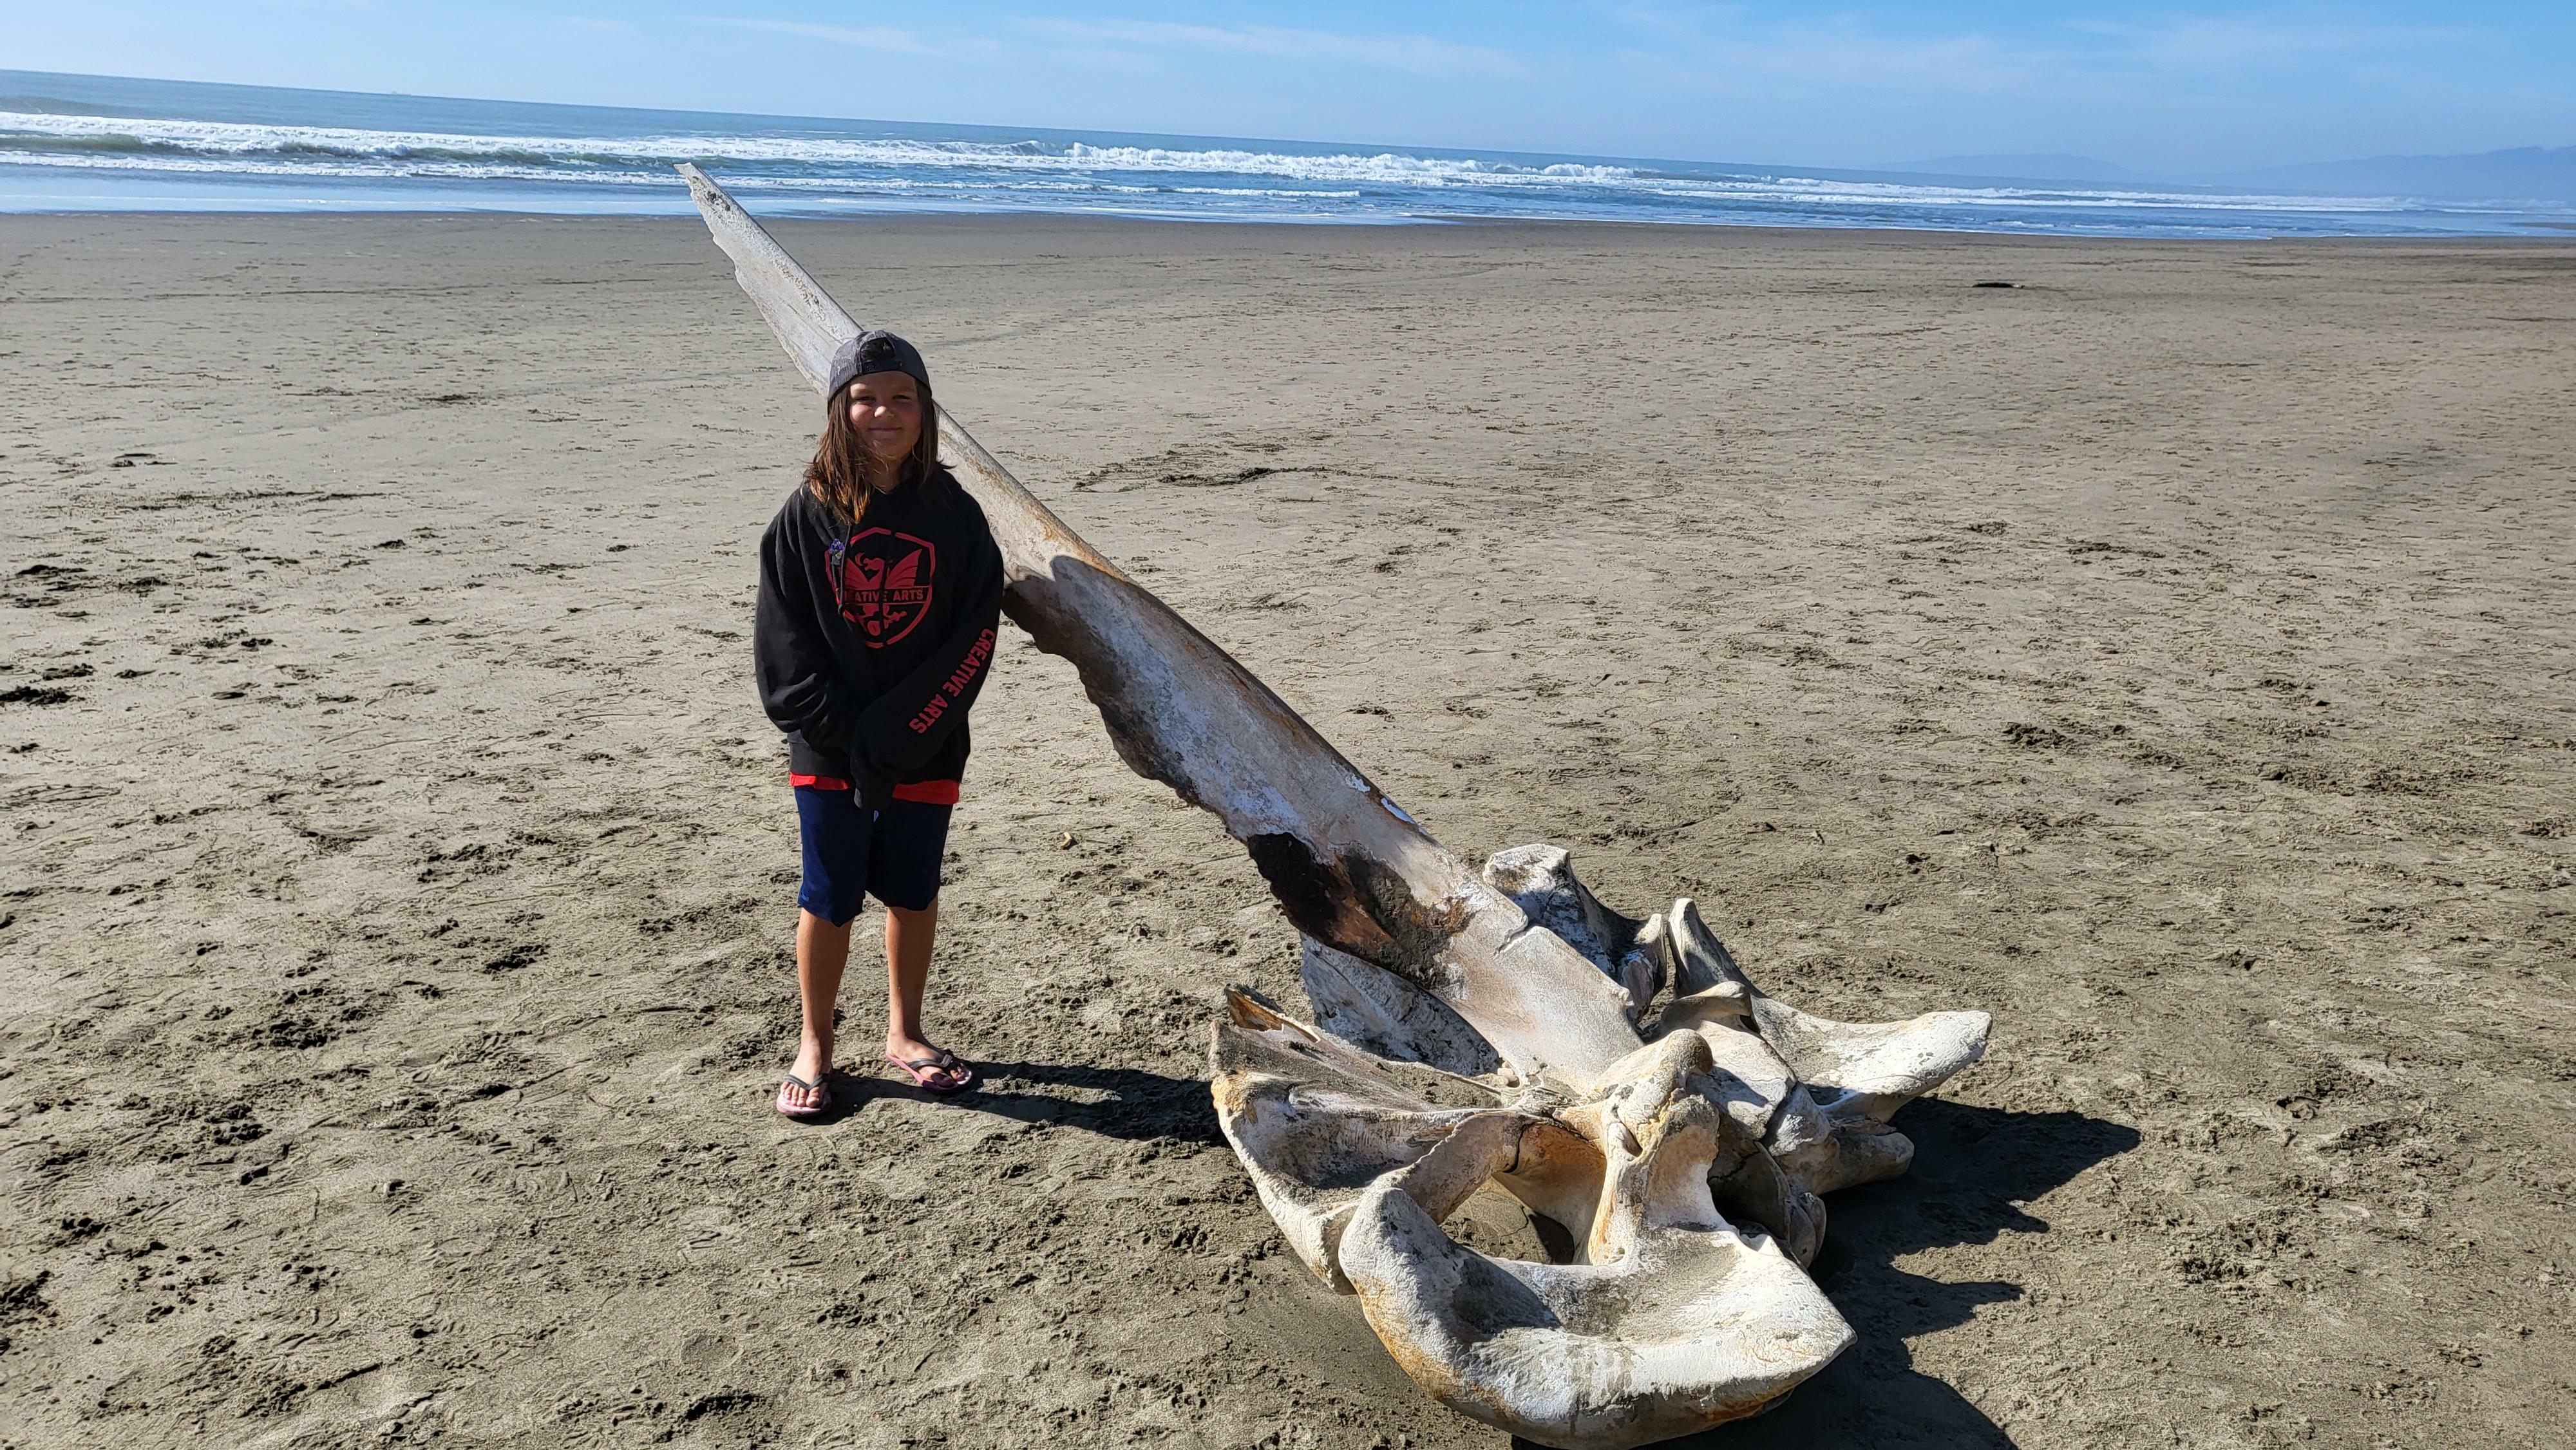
[{"x": 2176, "y": 88}]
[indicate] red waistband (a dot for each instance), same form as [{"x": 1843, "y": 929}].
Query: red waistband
[{"x": 926, "y": 792}]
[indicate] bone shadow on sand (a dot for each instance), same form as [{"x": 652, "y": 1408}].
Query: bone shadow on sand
[{"x": 1971, "y": 1166}]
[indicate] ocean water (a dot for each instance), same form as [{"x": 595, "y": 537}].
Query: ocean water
[{"x": 91, "y": 143}]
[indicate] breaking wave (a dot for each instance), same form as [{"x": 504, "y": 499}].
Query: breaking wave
[
  {"x": 129, "y": 159},
  {"x": 34, "y": 136}
]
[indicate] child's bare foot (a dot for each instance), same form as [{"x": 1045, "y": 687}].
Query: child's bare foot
[
  {"x": 932, "y": 1069},
  {"x": 806, "y": 1091}
]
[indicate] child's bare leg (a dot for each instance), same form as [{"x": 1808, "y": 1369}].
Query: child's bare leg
[
  {"x": 822, "y": 951},
  {"x": 908, "y": 937}
]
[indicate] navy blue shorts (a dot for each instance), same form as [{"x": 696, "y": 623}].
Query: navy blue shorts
[{"x": 852, "y": 853}]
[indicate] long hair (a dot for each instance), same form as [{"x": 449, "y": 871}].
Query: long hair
[{"x": 844, "y": 473}]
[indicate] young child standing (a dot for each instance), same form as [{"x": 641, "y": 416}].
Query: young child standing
[{"x": 880, "y": 590}]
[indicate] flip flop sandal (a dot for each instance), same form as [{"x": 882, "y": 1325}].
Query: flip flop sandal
[
  {"x": 822, "y": 1102},
  {"x": 961, "y": 1077}
]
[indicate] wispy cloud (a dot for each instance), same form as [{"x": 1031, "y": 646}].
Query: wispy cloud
[
  {"x": 1724, "y": 48},
  {"x": 858, "y": 37},
  {"x": 1716, "y": 48},
  {"x": 1420, "y": 54},
  {"x": 2234, "y": 43}
]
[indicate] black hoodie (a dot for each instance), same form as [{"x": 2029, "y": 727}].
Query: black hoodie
[{"x": 871, "y": 642}]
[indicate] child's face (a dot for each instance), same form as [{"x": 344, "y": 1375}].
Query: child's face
[{"x": 885, "y": 410}]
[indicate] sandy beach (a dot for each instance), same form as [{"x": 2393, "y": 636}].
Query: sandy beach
[{"x": 2172, "y": 653}]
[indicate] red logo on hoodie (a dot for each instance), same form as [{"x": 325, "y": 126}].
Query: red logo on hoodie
[{"x": 882, "y": 581}]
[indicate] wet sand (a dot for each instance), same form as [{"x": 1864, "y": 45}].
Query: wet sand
[{"x": 2171, "y": 654}]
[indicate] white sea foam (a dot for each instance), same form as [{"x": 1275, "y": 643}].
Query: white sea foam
[
  {"x": 158, "y": 139},
  {"x": 808, "y": 170},
  {"x": 1806, "y": 192},
  {"x": 341, "y": 151}
]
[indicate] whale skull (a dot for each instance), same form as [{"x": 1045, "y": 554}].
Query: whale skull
[{"x": 1681, "y": 1184}]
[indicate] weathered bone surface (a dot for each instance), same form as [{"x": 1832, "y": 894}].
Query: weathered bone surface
[
  {"x": 1674, "y": 1319},
  {"x": 1669, "y": 1315},
  {"x": 1686, "y": 1178},
  {"x": 1540, "y": 880},
  {"x": 1829, "y": 1130},
  {"x": 1472, "y": 1031},
  {"x": 1387, "y": 1015}
]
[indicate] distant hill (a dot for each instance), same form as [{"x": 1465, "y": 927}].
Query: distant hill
[
  {"x": 2020, "y": 166},
  {"x": 2525, "y": 173}
]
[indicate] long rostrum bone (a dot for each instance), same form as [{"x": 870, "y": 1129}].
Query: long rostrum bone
[{"x": 1349, "y": 867}]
